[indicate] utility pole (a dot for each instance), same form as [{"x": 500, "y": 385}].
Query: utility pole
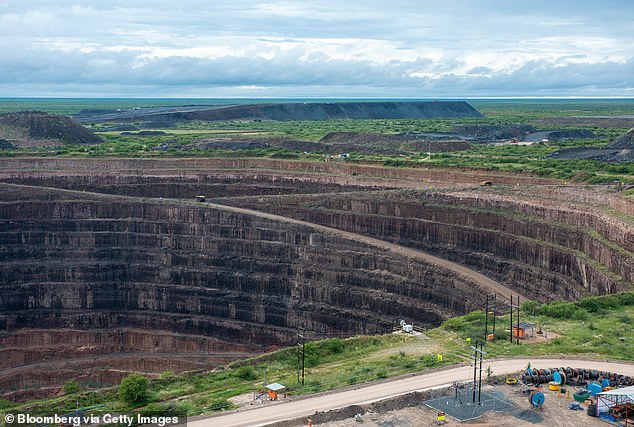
[
  {"x": 480, "y": 380},
  {"x": 511, "y": 321},
  {"x": 475, "y": 369},
  {"x": 490, "y": 310},
  {"x": 480, "y": 352},
  {"x": 515, "y": 306},
  {"x": 518, "y": 320},
  {"x": 486, "y": 319},
  {"x": 495, "y": 305}
]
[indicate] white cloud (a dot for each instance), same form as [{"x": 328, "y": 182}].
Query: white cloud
[{"x": 332, "y": 48}]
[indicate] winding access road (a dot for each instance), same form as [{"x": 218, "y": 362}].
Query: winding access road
[
  {"x": 472, "y": 275},
  {"x": 270, "y": 412}
]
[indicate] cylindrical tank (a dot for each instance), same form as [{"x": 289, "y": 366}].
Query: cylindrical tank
[{"x": 536, "y": 398}]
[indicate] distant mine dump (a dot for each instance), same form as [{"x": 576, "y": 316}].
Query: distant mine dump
[
  {"x": 620, "y": 149},
  {"x": 116, "y": 260},
  {"x": 285, "y": 112}
]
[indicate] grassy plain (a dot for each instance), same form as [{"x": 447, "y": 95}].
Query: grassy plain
[{"x": 530, "y": 159}]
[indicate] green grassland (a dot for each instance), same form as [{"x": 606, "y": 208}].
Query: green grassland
[
  {"x": 530, "y": 159},
  {"x": 595, "y": 327}
]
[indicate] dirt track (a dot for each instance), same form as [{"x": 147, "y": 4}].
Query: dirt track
[
  {"x": 480, "y": 279},
  {"x": 305, "y": 407}
]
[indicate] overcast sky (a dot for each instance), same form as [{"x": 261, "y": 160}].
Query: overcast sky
[{"x": 327, "y": 48}]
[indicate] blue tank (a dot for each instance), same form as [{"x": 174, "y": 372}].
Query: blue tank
[{"x": 594, "y": 388}]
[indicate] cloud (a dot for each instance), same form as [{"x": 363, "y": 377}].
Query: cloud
[{"x": 325, "y": 48}]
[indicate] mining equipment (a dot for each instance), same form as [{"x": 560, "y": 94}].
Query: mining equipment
[{"x": 536, "y": 399}]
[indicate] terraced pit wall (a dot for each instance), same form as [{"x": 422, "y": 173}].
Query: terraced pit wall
[
  {"x": 109, "y": 266},
  {"x": 544, "y": 252},
  {"x": 188, "y": 279}
]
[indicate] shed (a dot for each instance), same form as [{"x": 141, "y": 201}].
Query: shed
[
  {"x": 523, "y": 329},
  {"x": 618, "y": 402},
  {"x": 274, "y": 389}
]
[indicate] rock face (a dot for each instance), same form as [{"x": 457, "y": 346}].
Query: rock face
[
  {"x": 114, "y": 278},
  {"x": 530, "y": 248},
  {"x": 39, "y": 125},
  {"x": 111, "y": 266}
]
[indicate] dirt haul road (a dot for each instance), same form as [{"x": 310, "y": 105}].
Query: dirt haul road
[
  {"x": 305, "y": 407},
  {"x": 460, "y": 270}
]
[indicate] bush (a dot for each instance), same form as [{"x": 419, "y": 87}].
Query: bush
[
  {"x": 559, "y": 309},
  {"x": 334, "y": 346},
  {"x": 133, "y": 389},
  {"x": 312, "y": 356},
  {"x": 246, "y": 373},
  {"x": 167, "y": 377},
  {"x": 71, "y": 387},
  {"x": 610, "y": 302},
  {"x": 530, "y": 307}
]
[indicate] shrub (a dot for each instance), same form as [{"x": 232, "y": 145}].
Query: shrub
[
  {"x": 530, "y": 307},
  {"x": 333, "y": 346},
  {"x": 559, "y": 309},
  {"x": 246, "y": 373},
  {"x": 133, "y": 389},
  {"x": 166, "y": 378},
  {"x": 71, "y": 387}
]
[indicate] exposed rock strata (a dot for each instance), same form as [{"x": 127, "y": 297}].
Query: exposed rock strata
[
  {"x": 79, "y": 261},
  {"x": 548, "y": 253},
  {"x": 141, "y": 277}
]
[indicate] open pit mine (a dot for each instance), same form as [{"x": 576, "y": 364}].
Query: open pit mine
[{"x": 112, "y": 266}]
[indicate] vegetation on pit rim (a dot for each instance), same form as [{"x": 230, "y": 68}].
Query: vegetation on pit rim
[
  {"x": 594, "y": 327},
  {"x": 513, "y": 158}
]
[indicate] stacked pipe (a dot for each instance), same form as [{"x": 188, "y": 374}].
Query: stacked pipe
[{"x": 574, "y": 376}]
